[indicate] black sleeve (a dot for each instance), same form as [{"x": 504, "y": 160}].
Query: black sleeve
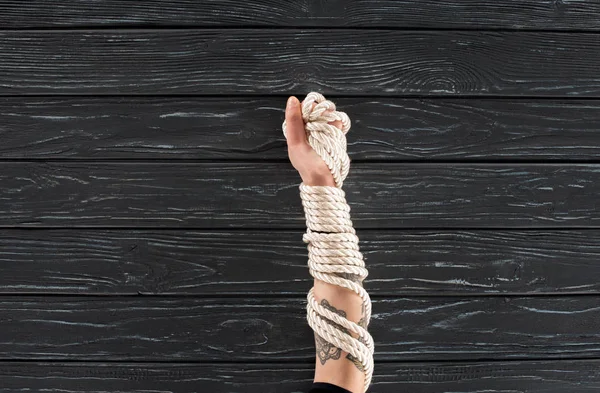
[{"x": 324, "y": 387}]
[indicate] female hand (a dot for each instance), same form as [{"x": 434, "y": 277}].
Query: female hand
[{"x": 311, "y": 167}]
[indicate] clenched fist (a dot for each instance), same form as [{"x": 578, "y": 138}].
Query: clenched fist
[{"x": 311, "y": 167}]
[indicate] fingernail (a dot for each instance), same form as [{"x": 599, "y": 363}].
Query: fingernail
[{"x": 291, "y": 103}]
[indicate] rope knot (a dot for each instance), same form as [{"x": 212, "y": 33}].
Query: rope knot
[{"x": 328, "y": 141}]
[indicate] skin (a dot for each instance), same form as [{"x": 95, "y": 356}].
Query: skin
[{"x": 332, "y": 365}]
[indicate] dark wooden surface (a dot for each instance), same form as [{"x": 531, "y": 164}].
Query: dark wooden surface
[
  {"x": 266, "y": 195},
  {"x": 209, "y": 263},
  {"x": 533, "y": 376},
  {"x": 288, "y": 61},
  {"x": 432, "y": 14},
  {"x": 274, "y": 328},
  {"x": 151, "y": 224},
  {"x": 209, "y": 128}
]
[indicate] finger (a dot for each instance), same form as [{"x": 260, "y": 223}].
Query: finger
[{"x": 295, "y": 133}]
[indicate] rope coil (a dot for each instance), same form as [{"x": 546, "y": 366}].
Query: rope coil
[{"x": 332, "y": 241}]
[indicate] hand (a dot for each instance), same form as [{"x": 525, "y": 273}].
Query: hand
[{"x": 311, "y": 167}]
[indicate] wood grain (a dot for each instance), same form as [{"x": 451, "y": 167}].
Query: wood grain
[
  {"x": 250, "y": 128},
  {"x": 253, "y": 329},
  {"x": 292, "y": 61},
  {"x": 150, "y": 222},
  {"x": 556, "y": 376},
  {"x": 523, "y": 14},
  {"x": 266, "y": 195},
  {"x": 243, "y": 263}
]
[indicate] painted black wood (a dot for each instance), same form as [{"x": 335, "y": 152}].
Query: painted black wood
[
  {"x": 573, "y": 376},
  {"x": 522, "y": 14},
  {"x": 228, "y": 329},
  {"x": 250, "y": 129},
  {"x": 231, "y": 297},
  {"x": 266, "y": 195},
  {"x": 400, "y": 263},
  {"x": 289, "y": 61}
]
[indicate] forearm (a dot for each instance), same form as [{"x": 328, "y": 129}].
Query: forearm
[
  {"x": 332, "y": 364},
  {"x": 328, "y": 220}
]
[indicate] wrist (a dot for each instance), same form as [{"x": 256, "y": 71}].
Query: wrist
[{"x": 319, "y": 179}]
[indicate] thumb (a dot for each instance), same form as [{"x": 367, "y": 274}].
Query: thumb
[{"x": 294, "y": 127}]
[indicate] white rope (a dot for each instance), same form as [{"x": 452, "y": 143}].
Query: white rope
[{"x": 332, "y": 241}]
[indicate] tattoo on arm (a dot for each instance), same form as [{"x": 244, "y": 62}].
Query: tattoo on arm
[
  {"x": 326, "y": 350},
  {"x": 350, "y": 276}
]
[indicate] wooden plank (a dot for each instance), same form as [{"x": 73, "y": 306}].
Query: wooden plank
[
  {"x": 556, "y": 376},
  {"x": 266, "y": 195},
  {"x": 250, "y": 128},
  {"x": 253, "y": 329},
  {"x": 292, "y": 61},
  {"x": 530, "y": 14},
  {"x": 400, "y": 263}
]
